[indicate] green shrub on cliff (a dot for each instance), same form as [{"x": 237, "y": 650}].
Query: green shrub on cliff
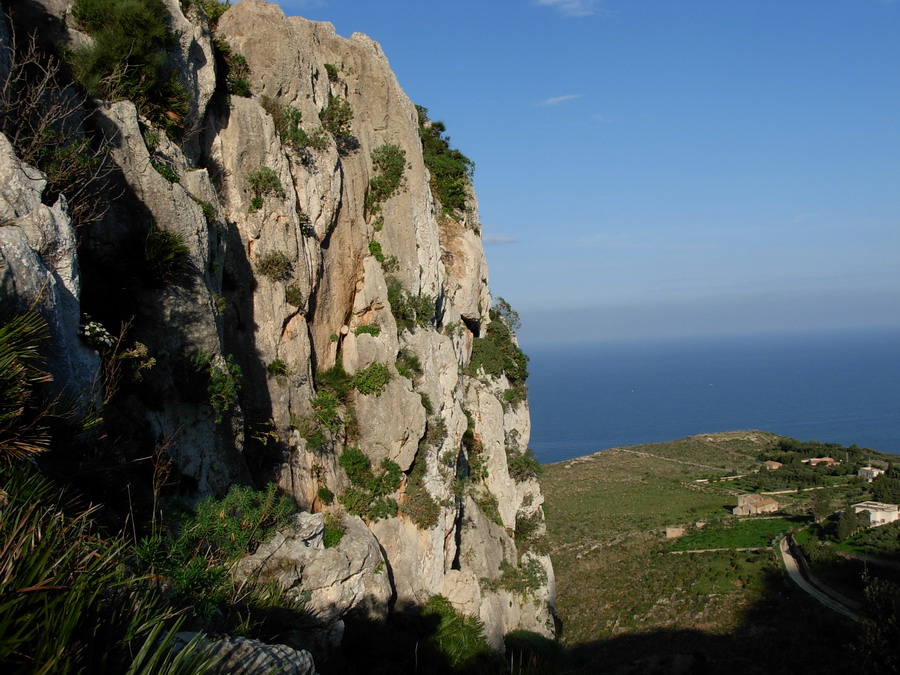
[
  {"x": 523, "y": 465},
  {"x": 388, "y": 163},
  {"x": 214, "y": 9},
  {"x": 224, "y": 382},
  {"x": 287, "y": 121},
  {"x": 263, "y": 181},
  {"x": 451, "y": 171},
  {"x": 368, "y": 493},
  {"x": 128, "y": 57},
  {"x": 409, "y": 310},
  {"x": 237, "y": 80},
  {"x": 166, "y": 255},
  {"x": 275, "y": 265},
  {"x": 372, "y": 379},
  {"x": 336, "y": 116},
  {"x": 497, "y": 354},
  {"x": 419, "y": 505},
  {"x": 235, "y": 525},
  {"x": 193, "y": 557}
]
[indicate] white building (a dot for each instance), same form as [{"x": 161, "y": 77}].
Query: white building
[
  {"x": 870, "y": 473},
  {"x": 879, "y": 513}
]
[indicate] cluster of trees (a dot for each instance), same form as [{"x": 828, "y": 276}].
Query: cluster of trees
[
  {"x": 886, "y": 488},
  {"x": 788, "y": 477},
  {"x": 791, "y": 453}
]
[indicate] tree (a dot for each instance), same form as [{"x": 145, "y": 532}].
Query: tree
[
  {"x": 880, "y": 630},
  {"x": 818, "y": 506},
  {"x": 848, "y": 524}
]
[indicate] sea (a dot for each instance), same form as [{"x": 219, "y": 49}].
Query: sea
[{"x": 834, "y": 387}]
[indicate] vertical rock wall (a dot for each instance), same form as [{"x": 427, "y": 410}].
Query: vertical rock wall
[{"x": 455, "y": 532}]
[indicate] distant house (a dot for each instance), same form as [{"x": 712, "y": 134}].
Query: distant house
[
  {"x": 820, "y": 461},
  {"x": 879, "y": 512},
  {"x": 751, "y": 505},
  {"x": 771, "y": 465},
  {"x": 870, "y": 473}
]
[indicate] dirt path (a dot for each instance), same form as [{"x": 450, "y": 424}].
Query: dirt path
[
  {"x": 669, "y": 459},
  {"x": 716, "y": 550},
  {"x": 809, "y": 489}
]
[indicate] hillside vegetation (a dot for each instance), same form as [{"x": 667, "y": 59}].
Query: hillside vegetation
[{"x": 630, "y": 600}]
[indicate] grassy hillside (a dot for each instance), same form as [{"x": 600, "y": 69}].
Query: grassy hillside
[{"x": 632, "y": 601}]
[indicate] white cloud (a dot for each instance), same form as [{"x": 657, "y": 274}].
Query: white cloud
[
  {"x": 556, "y": 100},
  {"x": 572, "y": 8},
  {"x": 490, "y": 240}
]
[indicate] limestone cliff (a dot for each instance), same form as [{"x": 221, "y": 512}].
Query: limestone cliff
[{"x": 349, "y": 310}]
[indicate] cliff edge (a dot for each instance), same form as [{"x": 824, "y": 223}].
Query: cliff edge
[{"x": 307, "y": 292}]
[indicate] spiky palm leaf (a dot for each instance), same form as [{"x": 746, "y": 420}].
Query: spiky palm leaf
[{"x": 21, "y": 372}]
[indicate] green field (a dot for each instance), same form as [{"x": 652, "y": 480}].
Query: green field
[{"x": 749, "y": 533}]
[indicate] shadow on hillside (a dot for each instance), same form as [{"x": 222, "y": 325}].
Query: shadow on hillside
[
  {"x": 410, "y": 640},
  {"x": 786, "y": 631}
]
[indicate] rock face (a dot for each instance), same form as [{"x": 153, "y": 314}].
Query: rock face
[{"x": 290, "y": 269}]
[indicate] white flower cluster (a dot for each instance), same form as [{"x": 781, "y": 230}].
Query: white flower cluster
[{"x": 96, "y": 335}]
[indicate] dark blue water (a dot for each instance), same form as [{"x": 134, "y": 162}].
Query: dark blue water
[{"x": 835, "y": 388}]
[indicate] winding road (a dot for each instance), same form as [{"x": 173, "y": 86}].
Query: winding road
[{"x": 793, "y": 569}]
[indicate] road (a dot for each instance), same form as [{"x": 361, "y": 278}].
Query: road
[{"x": 793, "y": 570}]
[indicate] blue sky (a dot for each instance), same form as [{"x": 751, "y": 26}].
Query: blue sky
[{"x": 657, "y": 169}]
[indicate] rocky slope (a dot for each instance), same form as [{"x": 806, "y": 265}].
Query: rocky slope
[{"x": 294, "y": 264}]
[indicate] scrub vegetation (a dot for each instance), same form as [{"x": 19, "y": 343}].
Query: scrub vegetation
[{"x": 626, "y": 590}]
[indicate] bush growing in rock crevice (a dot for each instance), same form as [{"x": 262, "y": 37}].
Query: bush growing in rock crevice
[
  {"x": 368, "y": 493},
  {"x": 523, "y": 466},
  {"x": 474, "y": 450},
  {"x": 275, "y": 265},
  {"x": 368, "y": 329},
  {"x": 525, "y": 579},
  {"x": 372, "y": 379},
  {"x": 418, "y": 504},
  {"x": 409, "y": 365},
  {"x": 388, "y": 162},
  {"x": 336, "y": 116},
  {"x": 263, "y": 181},
  {"x": 409, "y": 310},
  {"x": 166, "y": 255},
  {"x": 287, "y": 121},
  {"x": 224, "y": 382}
]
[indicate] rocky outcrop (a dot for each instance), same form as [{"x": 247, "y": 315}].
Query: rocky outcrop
[
  {"x": 241, "y": 656},
  {"x": 39, "y": 269},
  {"x": 350, "y": 575},
  {"x": 347, "y": 322}
]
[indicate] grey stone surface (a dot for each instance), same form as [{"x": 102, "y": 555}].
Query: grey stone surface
[{"x": 242, "y": 656}]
